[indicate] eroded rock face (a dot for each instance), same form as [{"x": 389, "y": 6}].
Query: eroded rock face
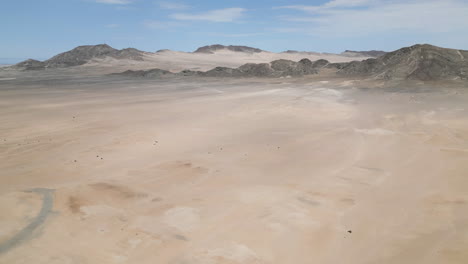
[{"x": 418, "y": 62}]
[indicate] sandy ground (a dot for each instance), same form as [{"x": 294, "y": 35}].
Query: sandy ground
[{"x": 231, "y": 171}]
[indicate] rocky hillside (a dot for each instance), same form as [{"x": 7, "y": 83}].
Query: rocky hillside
[
  {"x": 418, "y": 62},
  {"x": 81, "y": 55},
  {"x": 146, "y": 74},
  {"x": 213, "y": 48},
  {"x": 31, "y": 65},
  {"x": 278, "y": 68}
]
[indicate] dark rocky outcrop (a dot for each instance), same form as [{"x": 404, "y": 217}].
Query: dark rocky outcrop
[
  {"x": 256, "y": 70},
  {"x": 189, "y": 73},
  {"x": 213, "y": 48},
  {"x": 221, "y": 72},
  {"x": 153, "y": 73},
  {"x": 418, "y": 62}
]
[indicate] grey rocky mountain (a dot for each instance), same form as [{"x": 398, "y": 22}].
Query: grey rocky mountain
[
  {"x": 213, "y": 48},
  {"x": 81, "y": 55},
  {"x": 418, "y": 62}
]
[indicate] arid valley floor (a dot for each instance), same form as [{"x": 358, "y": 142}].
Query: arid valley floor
[{"x": 104, "y": 169}]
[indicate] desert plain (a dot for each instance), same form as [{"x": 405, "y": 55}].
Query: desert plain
[{"x": 97, "y": 168}]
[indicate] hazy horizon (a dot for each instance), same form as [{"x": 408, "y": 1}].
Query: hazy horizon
[{"x": 50, "y": 27}]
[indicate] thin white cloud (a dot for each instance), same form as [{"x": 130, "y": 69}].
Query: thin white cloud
[
  {"x": 331, "y": 4},
  {"x": 114, "y": 2},
  {"x": 336, "y": 18},
  {"x": 172, "y": 5},
  {"x": 220, "y": 15}
]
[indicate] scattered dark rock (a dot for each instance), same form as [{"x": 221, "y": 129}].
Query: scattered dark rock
[
  {"x": 180, "y": 237},
  {"x": 350, "y": 231}
]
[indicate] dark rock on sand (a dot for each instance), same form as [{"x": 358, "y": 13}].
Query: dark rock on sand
[{"x": 146, "y": 74}]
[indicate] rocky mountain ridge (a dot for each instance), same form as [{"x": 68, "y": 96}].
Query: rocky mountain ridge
[
  {"x": 81, "y": 55},
  {"x": 419, "y": 62},
  {"x": 217, "y": 47}
]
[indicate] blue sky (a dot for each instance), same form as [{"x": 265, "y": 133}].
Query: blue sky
[{"x": 42, "y": 28}]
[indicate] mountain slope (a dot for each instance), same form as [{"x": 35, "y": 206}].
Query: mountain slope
[
  {"x": 81, "y": 55},
  {"x": 418, "y": 62}
]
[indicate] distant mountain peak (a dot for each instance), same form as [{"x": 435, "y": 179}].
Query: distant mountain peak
[
  {"x": 213, "y": 48},
  {"x": 81, "y": 55}
]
